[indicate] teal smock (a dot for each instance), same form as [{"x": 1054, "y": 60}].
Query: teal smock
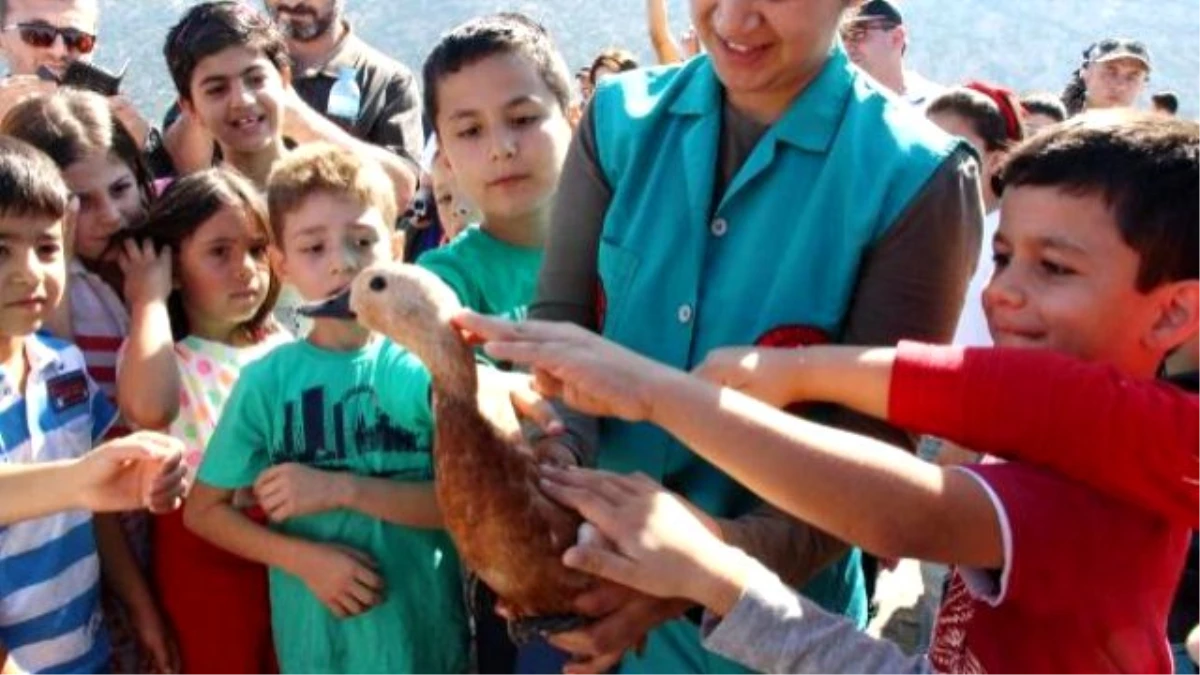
[{"x": 774, "y": 262}]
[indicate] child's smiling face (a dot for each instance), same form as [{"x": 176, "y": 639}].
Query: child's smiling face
[
  {"x": 238, "y": 95},
  {"x": 1066, "y": 280}
]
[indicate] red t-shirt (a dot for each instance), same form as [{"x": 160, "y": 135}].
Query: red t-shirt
[
  {"x": 1090, "y": 569},
  {"x": 1086, "y": 586},
  {"x": 1132, "y": 438}
]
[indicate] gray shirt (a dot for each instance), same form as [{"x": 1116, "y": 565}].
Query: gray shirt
[{"x": 773, "y": 629}]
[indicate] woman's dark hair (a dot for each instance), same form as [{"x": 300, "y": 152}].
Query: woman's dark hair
[
  {"x": 503, "y": 33},
  {"x": 1044, "y": 104},
  {"x": 182, "y": 209},
  {"x": 70, "y": 124},
  {"x": 992, "y": 112},
  {"x": 618, "y": 60},
  {"x": 212, "y": 27}
]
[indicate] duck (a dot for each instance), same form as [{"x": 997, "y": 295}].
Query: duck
[{"x": 507, "y": 531}]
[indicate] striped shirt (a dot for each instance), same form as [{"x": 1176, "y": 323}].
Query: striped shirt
[
  {"x": 50, "y": 619},
  {"x": 99, "y": 323}
]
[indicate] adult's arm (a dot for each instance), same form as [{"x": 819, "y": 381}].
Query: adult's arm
[{"x": 665, "y": 48}]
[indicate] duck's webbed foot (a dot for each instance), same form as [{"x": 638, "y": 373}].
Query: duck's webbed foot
[{"x": 523, "y": 631}]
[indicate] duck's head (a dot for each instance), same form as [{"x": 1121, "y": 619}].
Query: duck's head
[{"x": 404, "y": 302}]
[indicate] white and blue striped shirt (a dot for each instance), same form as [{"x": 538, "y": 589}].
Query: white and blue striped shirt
[{"x": 50, "y": 618}]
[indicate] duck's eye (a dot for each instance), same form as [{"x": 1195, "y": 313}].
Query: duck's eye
[{"x": 378, "y": 284}]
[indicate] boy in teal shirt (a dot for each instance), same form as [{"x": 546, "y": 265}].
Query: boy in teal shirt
[
  {"x": 332, "y": 435},
  {"x": 498, "y": 92}
]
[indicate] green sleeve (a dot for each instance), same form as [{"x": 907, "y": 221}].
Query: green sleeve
[
  {"x": 449, "y": 265},
  {"x": 238, "y": 450},
  {"x": 407, "y": 395}
]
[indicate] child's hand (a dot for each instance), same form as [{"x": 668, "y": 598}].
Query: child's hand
[
  {"x": 147, "y": 273},
  {"x": 292, "y": 490},
  {"x": 344, "y": 580},
  {"x": 758, "y": 372},
  {"x": 653, "y": 541},
  {"x": 144, "y": 470}
]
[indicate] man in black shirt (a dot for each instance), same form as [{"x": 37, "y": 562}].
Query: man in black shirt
[{"x": 323, "y": 46}]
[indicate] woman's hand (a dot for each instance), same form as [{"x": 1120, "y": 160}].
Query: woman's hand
[
  {"x": 657, "y": 543},
  {"x": 589, "y": 373}
]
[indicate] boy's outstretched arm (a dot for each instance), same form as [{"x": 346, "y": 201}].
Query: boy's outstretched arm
[
  {"x": 1030, "y": 405},
  {"x": 855, "y": 488}
]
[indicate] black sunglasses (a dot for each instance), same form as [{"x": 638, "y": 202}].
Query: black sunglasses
[{"x": 42, "y": 35}]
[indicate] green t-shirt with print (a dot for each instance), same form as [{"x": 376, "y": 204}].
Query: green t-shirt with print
[
  {"x": 366, "y": 412},
  {"x": 490, "y": 276}
]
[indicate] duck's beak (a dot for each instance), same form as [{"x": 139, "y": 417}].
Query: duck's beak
[{"x": 335, "y": 307}]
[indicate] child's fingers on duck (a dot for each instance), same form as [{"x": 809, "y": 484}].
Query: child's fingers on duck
[{"x": 602, "y": 563}]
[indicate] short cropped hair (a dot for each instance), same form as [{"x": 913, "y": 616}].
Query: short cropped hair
[
  {"x": 30, "y": 183},
  {"x": 1146, "y": 167},
  {"x": 326, "y": 169},
  {"x": 212, "y": 27},
  {"x": 1049, "y": 105},
  {"x": 1166, "y": 100},
  {"x": 504, "y": 33}
]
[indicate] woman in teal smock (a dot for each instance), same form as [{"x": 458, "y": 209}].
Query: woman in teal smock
[{"x": 765, "y": 193}]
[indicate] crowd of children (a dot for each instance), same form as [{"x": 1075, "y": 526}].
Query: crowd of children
[{"x": 283, "y": 518}]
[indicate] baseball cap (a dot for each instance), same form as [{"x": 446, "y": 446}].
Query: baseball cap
[
  {"x": 1118, "y": 48},
  {"x": 878, "y": 10}
]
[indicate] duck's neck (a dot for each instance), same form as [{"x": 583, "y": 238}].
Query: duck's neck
[{"x": 451, "y": 363}]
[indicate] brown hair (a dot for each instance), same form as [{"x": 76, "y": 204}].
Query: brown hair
[
  {"x": 212, "y": 27},
  {"x": 30, "y": 185},
  {"x": 1145, "y": 167},
  {"x": 327, "y": 168},
  {"x": 182, "y": 209},
  {"x": 71, "y": 124},
  {"x": 613, "y": 58},
  {"x": 485, "y": 36}
]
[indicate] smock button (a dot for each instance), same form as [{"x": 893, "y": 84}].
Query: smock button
[
  {"x": 685, "y": 313},
  {"x": 719, "y": 227}
]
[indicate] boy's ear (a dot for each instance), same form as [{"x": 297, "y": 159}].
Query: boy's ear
[
  {"x": 1178, "y": 316},
  {"x": 185, "y": 105},
  {"x": 278, "y": 262}
]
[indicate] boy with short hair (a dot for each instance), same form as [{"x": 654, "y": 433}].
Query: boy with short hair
[
  {"x": 50, "y": 410},
  {"x": 334, "y": 432},
  {"x": 221, "y": 53},
  {"x": 498, "y": 92},
  {"x": 1095, "y": 259}
]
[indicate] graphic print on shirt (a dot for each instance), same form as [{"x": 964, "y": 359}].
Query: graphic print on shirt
[
  {"x": 948, "y": 651},
  {"x": 330, "y": 437}
]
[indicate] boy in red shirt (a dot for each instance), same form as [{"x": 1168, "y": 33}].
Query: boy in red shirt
[{"x": 1095, "y": 258}]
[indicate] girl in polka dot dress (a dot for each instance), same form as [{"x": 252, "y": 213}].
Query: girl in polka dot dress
[{"x": 201, "y": 293}]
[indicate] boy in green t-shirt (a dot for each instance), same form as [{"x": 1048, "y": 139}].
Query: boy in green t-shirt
[
  {"x": 498, "y": 92},
  {"x": 332, "y": 434}
]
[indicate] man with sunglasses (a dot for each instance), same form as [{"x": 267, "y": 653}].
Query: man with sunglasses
[
  {"x": 43, "y": 37},
  {"x": 876, "y": 40}
]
